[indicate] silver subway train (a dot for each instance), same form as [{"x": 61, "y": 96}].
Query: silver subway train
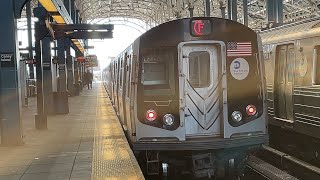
[
  {"x": 292, "y": 58},
  {"x": 191, "y": 90}
]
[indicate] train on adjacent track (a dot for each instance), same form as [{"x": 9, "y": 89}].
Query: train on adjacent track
[
  {"x": 192, "y": 91},
  {"x": 292, "y": 59}
]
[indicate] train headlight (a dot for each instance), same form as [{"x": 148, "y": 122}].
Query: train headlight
[
  {"x": 236, "y": 116},
  {"x": 151, "y": 115},
  {"x": 251, "y": 110},
  {"x": 168, "y": 119}
]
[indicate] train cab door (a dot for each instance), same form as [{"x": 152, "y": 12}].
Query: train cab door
[
  {"x": 284, "y": 82},
  {"x": 200, "y": 96}
]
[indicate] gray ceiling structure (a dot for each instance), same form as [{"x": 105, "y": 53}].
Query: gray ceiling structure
[{"x": 154, "y": 12}]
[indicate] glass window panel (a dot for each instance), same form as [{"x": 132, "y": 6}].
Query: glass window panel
[
  {"x": 282, "y": 61},
  {"x": 128, "y": 79},
  {"x": 290, "y": 65},
  {"x": 157, "y": 67},
  {"x": 121, "y": 73},
  {"x": 199, "y": 69},
  {"x": 155, "y": 74}
]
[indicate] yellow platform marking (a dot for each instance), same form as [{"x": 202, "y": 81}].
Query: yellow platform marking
[{"x": 112, "y": 156}]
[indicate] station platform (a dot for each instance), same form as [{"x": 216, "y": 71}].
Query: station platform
[{"x": 88, "y": 143}]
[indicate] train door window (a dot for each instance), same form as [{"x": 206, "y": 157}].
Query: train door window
[
  {"x": 290, "y": 64},
  {"x": 128, "y": 76},
  {"x": 316, "y": 66},
  {"x": 121, "y": 72},
  {"x": 281, "y": 61},
  {"x": 199, "y": 69},
  {"x": 116, "y": 71}
]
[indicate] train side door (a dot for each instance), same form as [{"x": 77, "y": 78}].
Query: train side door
[
  {"x": 199, "y": 66},
  {"x": 122, "y": 88},
  {"x": 110, "y": 80},
  {"x": 284, "y": 82},
  {"x": 116, "y": 81},
  {"x": 128, "y": 99}
]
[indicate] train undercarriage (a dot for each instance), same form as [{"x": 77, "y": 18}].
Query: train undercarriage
[{"x": 219, "y": 163}]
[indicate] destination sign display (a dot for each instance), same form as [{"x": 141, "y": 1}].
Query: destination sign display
[{"x": 200, "y": 27}]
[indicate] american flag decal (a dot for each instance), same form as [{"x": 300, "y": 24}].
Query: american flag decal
[{"x": 239, "y": 49}]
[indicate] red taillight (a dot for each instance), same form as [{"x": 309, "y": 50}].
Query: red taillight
[
  {"x": 251, "y": 110},
  {"x": 151, "y": 115}
]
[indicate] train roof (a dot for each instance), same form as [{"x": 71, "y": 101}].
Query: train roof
[{"x": 291, "y": 32}]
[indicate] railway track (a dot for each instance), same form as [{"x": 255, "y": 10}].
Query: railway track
[
  {"x": 274, "y": 164},
  {"x": 271, "y": 164},
  {"x": 267, "y": 170}
]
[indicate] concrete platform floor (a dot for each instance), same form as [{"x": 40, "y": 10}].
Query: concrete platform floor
[{"x": 85, "y": 144}]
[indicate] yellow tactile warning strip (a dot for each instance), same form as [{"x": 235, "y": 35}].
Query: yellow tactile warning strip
[{"x": 112, "y": 157}]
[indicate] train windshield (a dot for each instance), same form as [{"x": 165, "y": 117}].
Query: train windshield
[{"x": 158, "y": 71}]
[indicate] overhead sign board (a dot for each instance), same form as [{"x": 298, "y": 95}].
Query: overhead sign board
[
  {"x": 7, "y": 59},
  {"x": 80, "y": 59},
  {"x": 91, "y": 58},
  {"x": 92, "y": 61}
]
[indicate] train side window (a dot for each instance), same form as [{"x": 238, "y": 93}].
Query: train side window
[
  {"x": 199, "y": 69},
  {"x": 316, "y": 66}
]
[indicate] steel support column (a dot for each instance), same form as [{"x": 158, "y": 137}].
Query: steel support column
[
  {"x": 190, "y": 11},
  {"x": 279, "y": 12},
  {"x": 270, "y": 11},
  {"x": 70, "y": 68},
  {"x": 232, "y": 10},
  {"x": 275, "y": 12},
  {"x": 73, "y": 11},
  {"x": 28, "y": 11},
  {"x": 77, "y": 17},
  {"x": 54, "y": 69},
  {"x": 76, "y": 76},
  {"x": 40, "y": 27},
  {"x": 62, "y": 106},
  {"x": 222, "y": 9},
  {"x": 207, "y": 8},
  {"x": 47, "y": 76},
  {"x": 81, "y": 74},
  {"x": 67, "y": 5},
  {"x": 10, "y": 104},
  {"x": 245, "y": 12}
]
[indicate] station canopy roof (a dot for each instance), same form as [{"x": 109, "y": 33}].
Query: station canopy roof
[{"x": 154, "y": 12}]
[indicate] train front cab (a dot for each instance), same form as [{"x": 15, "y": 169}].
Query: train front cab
[{"x": 192, "y": 97}]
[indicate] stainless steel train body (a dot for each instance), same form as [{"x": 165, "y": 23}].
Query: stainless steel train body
[
  {"x": 292, "y": 58},
  {"x": 192, "y": 85}
]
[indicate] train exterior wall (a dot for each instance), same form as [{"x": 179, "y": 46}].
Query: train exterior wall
[{"x": 305, "y": 93}]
